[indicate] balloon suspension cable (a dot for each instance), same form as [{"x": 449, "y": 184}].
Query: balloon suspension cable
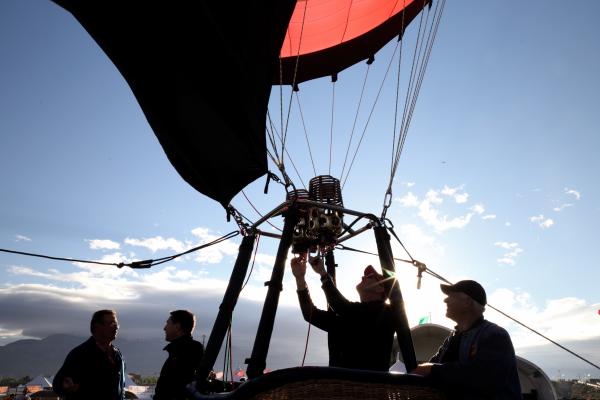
[
  {"x": 279, "y": 161},
  {"x": 306, "y": 133},
  {"x": 360, "y": 99},
  {"x": 284, "y": 130},
  {"x": 401, "y": 42},
  {"x": 422, "y": 53},
  {"x": 333, "y": 81},
  {"x": 364, "y": 131}
]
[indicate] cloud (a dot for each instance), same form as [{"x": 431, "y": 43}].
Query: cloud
[
  {"x": 103, "y": 244},
  {"x": 573, "y": 193},
  {"x": 562, "y": 207},
  {"x": 408, "y": 184},
  {"x": 566, "y": 318},
  {"x": 543, "y": 222},
  {"x": 488, "y": 216},
  {"x": 157, "y": 243},
  {"x": 441, "y": 223},
  {"x": 409, "y": 200},
  {"x": 213, "y": 254},
  {"x": 478, "y": 209},
  {"x": 21, "y": 238},
  {"x": 512, "y": 252},
  {"x": 461, "y": 198},
  {"x": 429, "y": 208}
]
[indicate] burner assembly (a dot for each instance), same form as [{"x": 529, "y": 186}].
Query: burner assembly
[{"x": 317, "y": 226}]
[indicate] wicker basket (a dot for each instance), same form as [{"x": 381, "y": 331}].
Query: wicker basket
[
  {"x": 336, "y": 389},
  {"x": 327, "y": 383}
]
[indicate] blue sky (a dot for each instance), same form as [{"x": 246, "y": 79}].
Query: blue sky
[{"x": 497, "y": 182}]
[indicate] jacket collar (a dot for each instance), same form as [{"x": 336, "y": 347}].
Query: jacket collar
[{"x": 178, "y": 342}]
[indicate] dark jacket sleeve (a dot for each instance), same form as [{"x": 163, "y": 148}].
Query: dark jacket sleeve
[
  {"x": 336, "y": 300},
  {"x": 70, "y": 368},
  {"x": 489, "y": 368},
  {"x": 321, "y": 319}
]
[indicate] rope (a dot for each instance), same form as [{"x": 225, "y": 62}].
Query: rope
[
  {"x": 258, "y": 212},
  {"x": 306, "y": 345},
  {"x": 135, "y": 264},
  {"x": 253, "y": 260},
  {"x": 545, "y": 337},
  {"x": 422, "y": 267},
  {"x": 344, "y": 247},
  {"x": 435, "y": 275}
]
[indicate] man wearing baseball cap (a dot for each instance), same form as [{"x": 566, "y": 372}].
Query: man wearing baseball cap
[
  {"x": 477, "y": 361},
  {"x": 360, "y": 334}
]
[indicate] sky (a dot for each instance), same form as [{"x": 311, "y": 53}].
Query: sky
[{"x": 496, "y": 182}]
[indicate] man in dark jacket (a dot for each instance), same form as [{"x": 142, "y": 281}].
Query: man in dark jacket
[
  {"x": 361, "y": 334},
  {"x": 477, "y": 361},
  {"x": 184, "y": 357},
  {"x": 94, "y": 370}
]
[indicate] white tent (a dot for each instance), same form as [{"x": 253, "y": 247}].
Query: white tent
[{"x": 40, "y": 380}]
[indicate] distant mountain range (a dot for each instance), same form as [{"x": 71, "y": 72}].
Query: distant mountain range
[
  {"x": 35, "y": 357},
  {"x": 44, "y": 357}
]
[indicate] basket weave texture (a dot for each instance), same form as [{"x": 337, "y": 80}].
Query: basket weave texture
[{"x": 336, "y": 389}]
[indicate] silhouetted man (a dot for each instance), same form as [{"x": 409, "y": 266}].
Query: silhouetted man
[
  {"x": 185, "y": 354},
  {"x": 361, "y": 334},
  {"x": 477, "y": 361},
  {"x": 94, "y": 370}
]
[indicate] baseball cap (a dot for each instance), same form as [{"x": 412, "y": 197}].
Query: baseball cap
[
  {"x": 471, "y": 288},
  {"x": 371, "y": 272}
]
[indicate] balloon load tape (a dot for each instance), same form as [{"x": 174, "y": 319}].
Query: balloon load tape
[{"x": 318, "y": 226}]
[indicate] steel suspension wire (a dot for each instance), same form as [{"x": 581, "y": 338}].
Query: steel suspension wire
[
  {"x": 360, "y": 99},
  {"x": 284, "y": 130},
  {"x": 331, "y": 126},
  {"x": 419, "y": 72},
  {"x": 271, "y": 136},
  {"x": 421, "y": 54},
  {"x": 280, "y": 165},
  {"x": 430, "y": 41},
  {"x": 397, "y": 91},
  {"x": 402, "y": 133},
  {"x": 369, "y": 117},
  {"x": 306, "y": 134},
  {"x": 135, "y": 264}
]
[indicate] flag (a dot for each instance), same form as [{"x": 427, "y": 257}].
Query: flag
[{"x": 240, "y": 373}]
